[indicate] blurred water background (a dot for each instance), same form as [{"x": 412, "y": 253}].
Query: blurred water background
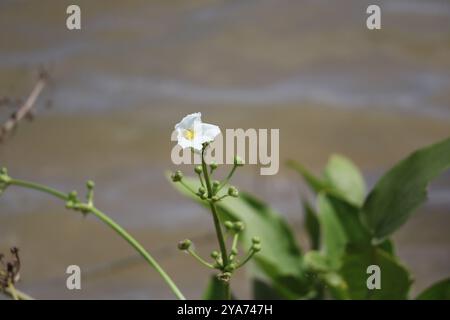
[{"x": 309, "y": 68}]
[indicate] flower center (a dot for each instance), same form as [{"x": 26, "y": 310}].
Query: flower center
[{"x": 189, "y": 134}]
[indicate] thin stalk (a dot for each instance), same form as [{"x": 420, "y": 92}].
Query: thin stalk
[
  {"x": 112, "y": 224},
  {"x": 249, "y": 256},
  {"x": 227, "y": 179},
  {"x": 199, "y": 259},
  {"x": 220, "y": 237}
]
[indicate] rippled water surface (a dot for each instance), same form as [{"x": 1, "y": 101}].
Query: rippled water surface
[{"x": 309, "y": 68}]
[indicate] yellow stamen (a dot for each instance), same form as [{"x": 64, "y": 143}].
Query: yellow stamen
[{"x": 189, "y": 134}]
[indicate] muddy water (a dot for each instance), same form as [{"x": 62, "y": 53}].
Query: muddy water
[{"x": 306, "y": 67}]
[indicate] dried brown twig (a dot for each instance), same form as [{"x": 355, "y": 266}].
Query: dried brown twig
[{"x": 25, "y": 109}]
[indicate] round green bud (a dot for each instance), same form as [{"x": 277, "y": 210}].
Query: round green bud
[
  {"x": 215, "y": 198},
  {"x": 201, "y": 190},
  {"x": 69, "y": 204},
  {"x": 256, "y": 247},
  {"x": 184, "y": 245},
  {"x": 214, "y": 254},
  {"x": 90, "y": 184},
  {"x": 238, "y": 161},
  {"x": 203, "y": 196},
  {"x": 234, "y": 252},
  {"x": 238, "y": 226},
  {"x": 4, "y": 171},
  {"x": 233, "y": 192},
  {"x": 231, "y": 267},
  {"x": 213, "y": 165},
  {"x": 177, "y": 176},
  {"x": 256, "y": 240},
  {"x": 198, "y": 169},
  {"x": 216, "y": 184},
  {"x": 228, "y": 225},
  {"x": 73, "y": 195}
]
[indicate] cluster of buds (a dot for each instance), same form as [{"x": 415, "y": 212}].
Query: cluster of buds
[
  {"x": 210, "y": 190},
  {"x": 9, "y": 270},
  {"x": 233, "y": 262},
  {"x": 75, "y": 204}
]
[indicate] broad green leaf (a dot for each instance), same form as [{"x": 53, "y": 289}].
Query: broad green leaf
[
  {"x": 403, "y": 188},
  {"x": 346, "y": 178},
  {"x": 334, "y": 239},
  {"x": 215, "y": 290},
  {"x": 312, "y": 225},
  {"x": 341, "y": 226},
  {"x": 280, "y": 256},
  {"x": 320, "y": 266},
  {"x": 438, "y": 291},
  {"x": 388, "y": 246},
  {"x": 335, "y": 183},
  {"x": 317, "y": 185},
  {"x": 317, "y": 262},
  {"x": 264, "y": 291},
  {"x": 395, "y": 279}
]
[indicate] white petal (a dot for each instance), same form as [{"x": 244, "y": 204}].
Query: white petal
[
  {"x": 209, "y": 132},
  {"x": 184, "y": 143},
  {"x": 197, "y": 146},
  {"x": 189, "y": 121}
]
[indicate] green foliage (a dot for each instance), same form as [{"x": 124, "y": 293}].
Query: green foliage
[
  {"x": 403, "y": 188},
  {"x": 348, "y": 232},
  {"x": 395, "y": 279},
  {"x": 438, "y": 291},
  {"x": 280, "y": 257},
  {"x": 312, "y": 225},
  {"x": 345, "y": 177}
]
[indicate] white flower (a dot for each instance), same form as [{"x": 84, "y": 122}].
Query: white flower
[{"x": 192, "y": 132}]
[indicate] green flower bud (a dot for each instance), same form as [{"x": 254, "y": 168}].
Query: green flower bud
[
  {"x": 201, "y": 190},
  {"x": 69, "y": 204},
  {"x": 215, "y": 184},
  {"x": 256, "y": 247},
  {"x": 203, "y": 196},
  {"x": 198, "y": 169},
  {"x": 90, "y": 184},
  {"x": 177, "y": 176},
  {"x": 73, "y": 195},
  {"x": 234, "y": 252},
  {"x": 231, "y": 267},
  {"x": 238, "y": 161},
  {"x": 4, "y": 171},
  {"x": 184, "y": 245},
  {"x": 233, "y": 192},
  {"x": 215, "y": 198},
  {"x": 215, "y": 254},
  {"x": 228, "y": 225},
  {"x": 238, "y": 226},
  {"x": 213, "y": 165},
  {"x": 256, "y": 240}
]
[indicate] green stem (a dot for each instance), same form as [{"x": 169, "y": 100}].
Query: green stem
[
  {"x": 249, "y": 256},
  {"x": 227, "y": 179},
  {"x": 184, "y": 184},
  {"x": 235, "y": 241},
  {"x": 38, "y": 187},
  {"x": 200, "y": 259},
  {"x": 227, "y": 290},
  {"x": 112, "y": 224},
  {"x": 220, "y": 238}
]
